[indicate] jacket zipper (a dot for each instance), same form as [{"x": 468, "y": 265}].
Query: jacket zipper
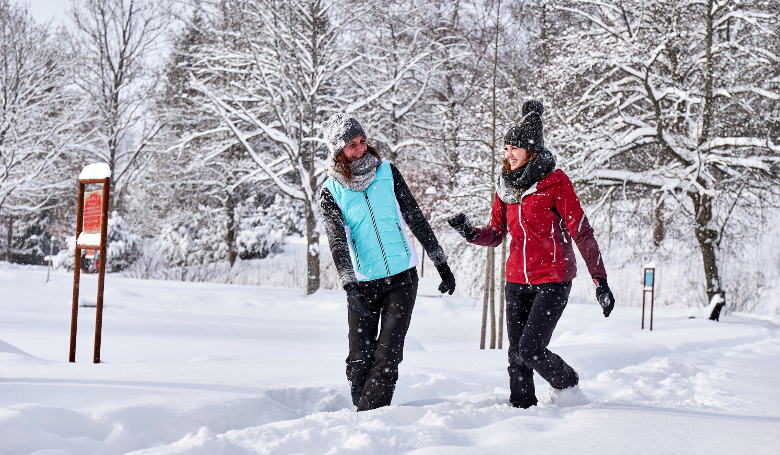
[
  {"x": 563, "y": 233},
  {"x": 373, "y": 220},
  {"x": 354, "y": 247},
  {"x": 525, "y": 236},
  {"x": 403, "y": 239},
  {"x": 552, "y": 237}
]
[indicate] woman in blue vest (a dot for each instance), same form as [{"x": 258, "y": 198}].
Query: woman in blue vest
[{"x": 367, "y": 206}]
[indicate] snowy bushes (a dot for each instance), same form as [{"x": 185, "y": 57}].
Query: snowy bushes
[
  {"x": 264, "y": 231},
  {"x": 30, "y": 241},
  {"x": 662, "y": 120},
  {"x": 196, "y": 248},
  {"x": 67, "y": 256},
  {"x": 123, "y": 247},
  {"x": 193, "y": 244}
]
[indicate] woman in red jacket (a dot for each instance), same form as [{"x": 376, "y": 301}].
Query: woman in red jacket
[{"x": 537, "y": 206}]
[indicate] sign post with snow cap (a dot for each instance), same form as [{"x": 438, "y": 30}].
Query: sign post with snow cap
[
  {"x": 91, "y": 233},
  {"x": 648, "y": 285}
]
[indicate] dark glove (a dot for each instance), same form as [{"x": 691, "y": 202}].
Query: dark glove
[
  {"x": 447, "y": 278},
  {"x": 461, "y": 223},
  {"x": 604, "y": 296},
  {"x": 355, "y": 301}
]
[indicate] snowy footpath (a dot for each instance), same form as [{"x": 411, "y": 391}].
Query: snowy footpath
[{"x": 217, "y": 369}]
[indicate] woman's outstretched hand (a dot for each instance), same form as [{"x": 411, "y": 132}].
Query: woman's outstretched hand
[
  {"x": 604, "y": 296},
  {"x": 461, "y": 223},
  {"x": 447, "y": 279},
  {"x": 355, "y": 301}
]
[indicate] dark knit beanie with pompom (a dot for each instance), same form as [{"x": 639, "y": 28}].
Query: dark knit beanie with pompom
[{"x": 529, "y": 133}]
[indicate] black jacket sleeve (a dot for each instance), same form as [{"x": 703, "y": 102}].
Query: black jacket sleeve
[
  {"x": 337, "y": 237},
  {"x": 416, "y": 220}
]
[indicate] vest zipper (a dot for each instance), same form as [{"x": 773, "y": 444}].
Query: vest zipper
[
  {"x": 373, "y": 220},
  {"x": 403, "y": 239},
  {"x": 354, "y": 247},
  {"x": 552, "y": 237}
]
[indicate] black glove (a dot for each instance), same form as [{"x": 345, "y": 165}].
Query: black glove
[
  {"x": 447, "y": 278},
  {"x": 461, "y": 223},
  {"x": 604, "y": 296},
  {"x": 355, "y": 301}
]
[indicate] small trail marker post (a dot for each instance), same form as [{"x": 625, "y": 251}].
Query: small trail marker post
[
  {"x": 91, "y": 233},
  {"x": 648, "y": 286}
]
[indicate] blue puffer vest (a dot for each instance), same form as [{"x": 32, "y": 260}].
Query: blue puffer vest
[{"x": 375, "y": 229}]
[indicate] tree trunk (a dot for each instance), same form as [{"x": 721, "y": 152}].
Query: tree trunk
[
  {"x": 545, "y": 52},
  {"x": 312, "y": 234},
  {"x": 492, "y": 251},
  {"x": 659, "y": 233},
  {"x": 705, "y": 234},
  {"x": 483, "y": 334},
  {"x": 501, "y": 296},
  {"x": 492, "y": 298},
  {"x": 709, "y": 99},
  {"x": 10, "y": 238},
  {"x": 312, "y": 251},
  {"x": 707, "y": 238},
  {"x": 230, "y": 210}
]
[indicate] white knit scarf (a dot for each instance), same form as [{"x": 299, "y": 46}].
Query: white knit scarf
[{"x": 363, "y": 173}]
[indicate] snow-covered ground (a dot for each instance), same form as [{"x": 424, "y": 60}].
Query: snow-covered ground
[{"x": 209, "y": 368}]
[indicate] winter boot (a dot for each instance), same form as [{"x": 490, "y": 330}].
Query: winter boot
[
  {"x": 376, "y": 396},
  {"x": 568, "y": 397},
  {"x": 521, "y": 385}
]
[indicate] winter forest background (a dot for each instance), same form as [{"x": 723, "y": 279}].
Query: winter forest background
[{"x": 664, "y": 113}]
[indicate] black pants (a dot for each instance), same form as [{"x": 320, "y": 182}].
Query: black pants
[
  {"x": 532, "y": 312},
  {"x": 375, "y": 349}
]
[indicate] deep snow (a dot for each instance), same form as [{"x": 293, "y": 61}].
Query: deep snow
[{"x": 209, "y": 368}]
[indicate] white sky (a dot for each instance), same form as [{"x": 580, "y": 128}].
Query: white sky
[{"x": 43, "y": 10}]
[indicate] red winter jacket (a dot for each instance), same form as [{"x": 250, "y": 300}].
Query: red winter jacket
[{"x": 542, "y": 227}]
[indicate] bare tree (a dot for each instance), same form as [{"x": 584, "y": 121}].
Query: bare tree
[
  {"x": 393, "y": 33},
  {"x": 674, "y": 102},
  {"x": 39, "y": 116},
  {"x": 495, "y": 40},
  {"x": 115, "y": 40},
  {"x": 290, "y": 69}
]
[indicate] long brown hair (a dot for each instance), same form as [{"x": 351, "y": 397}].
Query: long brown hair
[
  {"x": 342, "y": 162},
  {"x": 507, "y": 168}
]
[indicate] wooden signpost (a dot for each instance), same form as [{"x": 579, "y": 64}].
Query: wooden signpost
[
  {"x": 91, "y": 232},
  {"x": 648, "y": 286}
]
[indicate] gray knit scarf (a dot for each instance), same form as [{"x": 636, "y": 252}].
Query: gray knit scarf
[
  {"x": 363, "y": 173},
  {"x": 513, "y": 184}
]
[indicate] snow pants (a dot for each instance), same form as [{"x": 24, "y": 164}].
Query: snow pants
[
  {"x": 376, "y": 347},
  {"x": 532, "y": 312}
]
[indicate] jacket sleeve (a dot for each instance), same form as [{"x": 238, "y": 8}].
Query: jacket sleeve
[
  {"x": 337, "y": 237},
  {"x": 568, "y": 205},
  {"x": 493, "y": 234},
  {"x": 415, "y": 219}
]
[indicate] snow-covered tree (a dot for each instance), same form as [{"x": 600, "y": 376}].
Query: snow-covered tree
[
  {"x": 39, "y": 115},
  {"x": 114, "y": 40},
  {"x": 263, "y": 230},
  {"x": 394, "y": 34},
  {"x": 290, "y": 66},
  {"x": 122, "y": 247},
  {"x": 30, "y": 241},
  {"x": 190, "y": 247},
  {"x": 674, "y": 102},
  {"x": 208, "y": 162}
]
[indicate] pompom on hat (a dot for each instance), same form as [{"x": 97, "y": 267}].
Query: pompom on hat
[
  {"x": 339, "y": 130},
  {"x": 529, "y": 133}
]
